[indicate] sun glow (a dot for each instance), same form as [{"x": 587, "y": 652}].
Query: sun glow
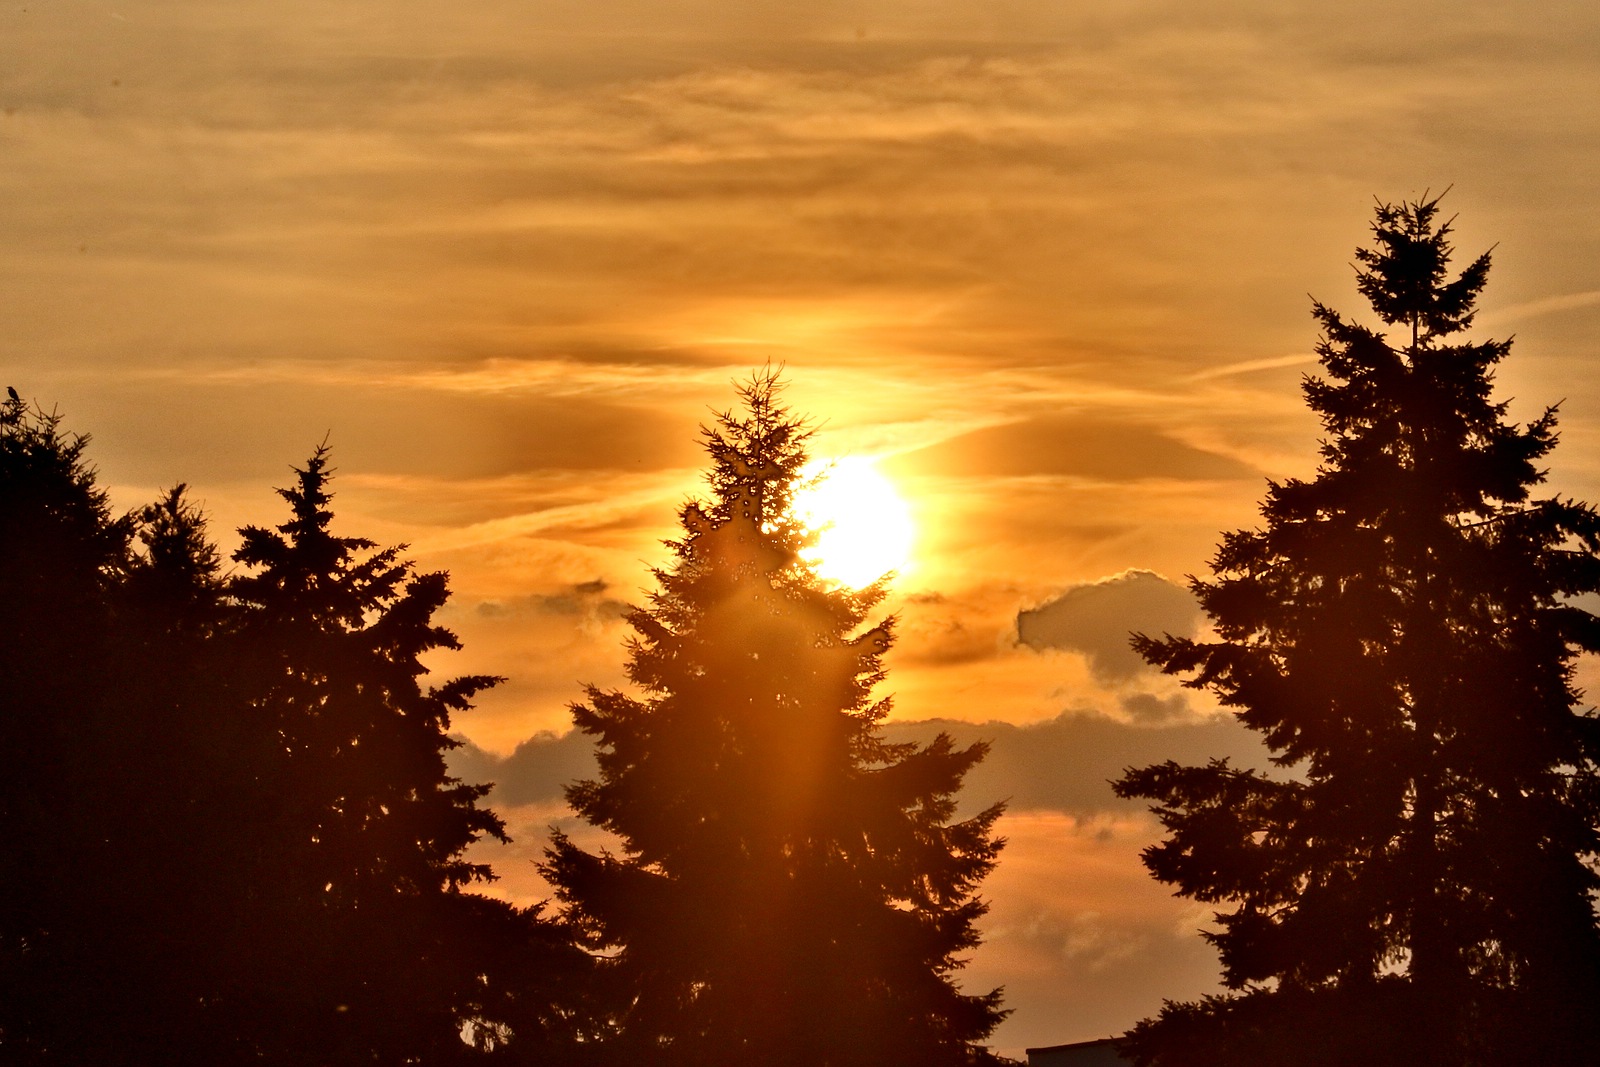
[{"x": 863, "y": 525}]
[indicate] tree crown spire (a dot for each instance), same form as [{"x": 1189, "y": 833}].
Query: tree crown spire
[{"x": 1404, "y": 276}]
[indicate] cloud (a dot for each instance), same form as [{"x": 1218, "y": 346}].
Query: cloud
[
  {"x": 1150, "y": 709},
  {"x": 1077, "y": 928},
  {"x": 1545, "y": 306},
  {"x": 1096, "y": 619},
  {"x": 1299, "y": 360},
  {"x": 584, "y": 600},
  {"x": 242, "y": 426},
  {"x": 1063, "y": 764},
  {"x": 1066, "y": 763},
  {"x": 1083, "y": 446},
  {"x": 547, "y": 640},
  {"x": 931, "y": 629},
  {"x": 535, "y": 772}
]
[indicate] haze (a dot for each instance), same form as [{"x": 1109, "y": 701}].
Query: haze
[{"x": 1047, "y": 263}]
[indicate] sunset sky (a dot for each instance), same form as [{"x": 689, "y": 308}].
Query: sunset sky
[{"x": 1044, "y": 262}]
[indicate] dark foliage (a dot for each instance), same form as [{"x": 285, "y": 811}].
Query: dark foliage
[
  {"x": 361, "y": 830},
  {"x": 790, "y": 888},
  {"x": 61, "y": 555},
  {"x": 1415, "y": 883},
  {"x": 227, "y": 830}
]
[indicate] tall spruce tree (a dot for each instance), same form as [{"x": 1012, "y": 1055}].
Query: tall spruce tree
[
  {"x": 1415, "y": 884},
  {"x": 790, "y": 888},
  {"x": 62, "y": 555},
  {"x": 362, "y": 945}
]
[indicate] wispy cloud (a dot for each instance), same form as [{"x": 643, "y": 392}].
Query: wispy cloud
[
  {"x": 1532, "y": 309},
  {"x": 1047, "y": 260},
  {"x": 1249, "y": 366}
]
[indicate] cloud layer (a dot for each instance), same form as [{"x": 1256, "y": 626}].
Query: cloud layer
[
  {"x": 1048, "y": 261},
  {"x": 1099, "y": 618}
]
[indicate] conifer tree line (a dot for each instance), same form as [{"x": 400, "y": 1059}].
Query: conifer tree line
[
  {"x": 228, "y": 832},
  {"x": 226, "y": 825}
]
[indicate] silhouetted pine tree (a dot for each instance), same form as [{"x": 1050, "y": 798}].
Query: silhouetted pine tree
[
  {"x": 226, "y": 831},
  {"x": 362, "y": 940},
  {"x": 790, "y": 888},
  {"x": 62, "y": 554},
  {"x": 169, "y": 800},
  {"x": 1416, "y": 883},
  {"x": 121, "y": 838}
]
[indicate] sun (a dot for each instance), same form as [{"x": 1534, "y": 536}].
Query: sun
[{"x": 864, "y": 526}]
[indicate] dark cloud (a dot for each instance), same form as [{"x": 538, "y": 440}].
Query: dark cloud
[
  {"x": 583, "y": 599},
  {"x": 374, "y": 429},
  {"x": 1097, "y": 618},
  {"x": 1064, "y": 764},
  {"x": 1149, "y": 709},
  {"x": 535, "y": 772},
  {"x": 1085, "y": 447},
  {"x": 944, "y": 640}
]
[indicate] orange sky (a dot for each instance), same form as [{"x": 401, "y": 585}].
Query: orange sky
[{"x": 1048, "y": 259}]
